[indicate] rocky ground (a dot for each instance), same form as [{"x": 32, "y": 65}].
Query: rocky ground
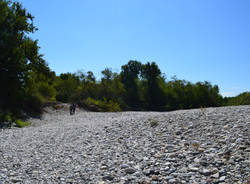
[{"x": 193, "y": 146}]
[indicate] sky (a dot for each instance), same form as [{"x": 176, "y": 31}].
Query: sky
[{"x": 194, "y": 40}]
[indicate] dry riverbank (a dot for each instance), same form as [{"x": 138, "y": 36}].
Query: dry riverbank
[{"x": 190, "y": 146}]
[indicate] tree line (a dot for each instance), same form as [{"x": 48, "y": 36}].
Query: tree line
[
  {"x": 27, "y": 82},
  {"x": 137, "y": 87}
]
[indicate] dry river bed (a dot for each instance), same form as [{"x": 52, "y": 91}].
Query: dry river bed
[{"x": 209, "y": 145}]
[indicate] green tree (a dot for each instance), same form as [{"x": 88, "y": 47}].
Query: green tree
[
  {"x": 154, "y": 94},
  {"x": 129, "y": 77},
  {"x": 241, "y": 99},
  {"x": 19, "y": 58},
  {"x": 111, "y": 87},
  {"x": 66, "y": 86}
]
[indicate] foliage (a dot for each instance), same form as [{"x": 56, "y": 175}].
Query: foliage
[
  {"x": 66, "y": 85},
  {"x": 129, "y": 77},
  {"x": 241, "y": 99},
  {"x": 102, "y": 105},
  {"x": 153, "y": 123},
  {"x": 184, "y": 95},
  {"x": 47, "y": 91},
  {"x": 111, "y": 87},
  {"x": 20, "y": 124},
  {"x": 153, "y": 93},
  {"x": 9, "y": 119},
  {"x": 5, "y": 117},
  {"x": 21, "y": 65}
]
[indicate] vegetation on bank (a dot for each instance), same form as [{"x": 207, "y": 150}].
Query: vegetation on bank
[
  {"x": 10, "y": 120},
  {"x": 28, "y": 82}
]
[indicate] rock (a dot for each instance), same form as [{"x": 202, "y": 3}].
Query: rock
[
  {"x": 124, "y": 166},
  {"x": 216, "y": 175},
  {"x": 108, "y": 177},
  {"x": 172, "y": 180},
  {"x": 104, "y": 167},
  {"x": 151, "y": 172},
  {"x": 192, "y": 168},
  {"x": 130, "y": 171},
  {"x": 121, "y": 148},
  {"x": 15, "y": 179},
  {"x": 178, "y": 132},
  {"x": 169, "y": 178},
  {"x": 101, "y": 182},
  {"x": 206, "y": 172},
  {"x": 155, "y": 178},
  {"x": 196, "y": 160},
  {"x": 238, "y": 141},
  {"x": 222, "y": 178}
]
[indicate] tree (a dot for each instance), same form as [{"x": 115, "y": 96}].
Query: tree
[
  {"x": 111, "y": 86},
  {"x": 154, "y": 94},
  {"x": 66, "y": 86},
  {"x": 129, "y": 76},
  {"x": 241, "y": 99},
  {"x": 19, "y": 58},
  {"x": 107, "y": 74}
]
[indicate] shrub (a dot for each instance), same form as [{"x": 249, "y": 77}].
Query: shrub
[
  {"x": 34, "y": 103},
  {"x": 203, "y": 110},
  {"x": 21, "y": 124},
  {"x": 47, "y": 91},
  {"x": 102, "y": 105},
  {"x": 5, "y": 117},
  {"x": 153, "y": 123}
]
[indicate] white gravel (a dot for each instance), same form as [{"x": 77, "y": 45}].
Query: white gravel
[{"x": 189, "y": 146}]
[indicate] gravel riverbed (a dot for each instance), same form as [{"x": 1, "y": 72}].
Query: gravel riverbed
[{"x": 209, "y": 145}]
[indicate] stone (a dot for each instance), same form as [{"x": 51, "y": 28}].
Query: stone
[
  {"x": 78, "y": 149},
  {"x": 130, "y": 171},
  {"x": 15, "y": 179},
  {"x": 178, "y": 132},
  {"x": 216, "y": 175},
  {"x": 206, "y": 172},
  {"x": 222, "y": 178},
  {"x": 173, "y": 180},
  {"x": 192, "y": 168},
  {"x": 108, "y": 177},
  {"x": 196, "y": 160},
  {"x": 124, "y": 166},
  {"x": 104, "y": 167},
  {"x": 155, "y": 178}
]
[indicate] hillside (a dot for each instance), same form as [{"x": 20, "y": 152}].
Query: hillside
[{"x": 188, "y": 146}]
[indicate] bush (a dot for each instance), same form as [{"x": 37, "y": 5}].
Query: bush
[
  {"x": 47, "y": 91},
  {"x": 6, "y": 120},
  {"x": 5, "y": 117},
  {"x": 34, "y": 104},
  {"x": 153, "y": 123},
  {"x": 21, "y": 124},
  {"x": 241, "y": 99},
  {"x": 102, "y": 105}
]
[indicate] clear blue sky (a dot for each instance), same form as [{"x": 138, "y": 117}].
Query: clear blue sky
[{"x": 195, "y": 40}]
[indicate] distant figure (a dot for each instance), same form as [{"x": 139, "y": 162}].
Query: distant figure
[{"x": 72, "y": 109}]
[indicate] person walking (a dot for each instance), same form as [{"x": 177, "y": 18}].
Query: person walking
[{"x": 72, "y": 109}]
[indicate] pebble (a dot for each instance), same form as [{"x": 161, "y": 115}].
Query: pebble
[
  {"x": 206, "y": 172},
  {"x": 216, "y": 175},
  {"x": 185, "y": 147},
  {"x": 130, "y": 171},
  {"x": 222, "y": 178},
  {"x": 108, "y": 177},
  {"x": 192, "y": 168},
  {"x": 123, "y": 166}
]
